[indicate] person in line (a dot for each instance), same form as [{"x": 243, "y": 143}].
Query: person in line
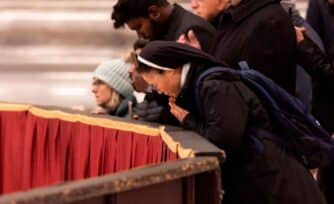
[
  {"x": 322, "y": 69},
  {"x": 160, "y": 20},
  {"x": 304, "y": 85},
  {"x": 253, "y": 31},
  {"x": 229, "y": 110},
  {"x": 320, "y": 16},
  {"x": 207, "y": 10},
  {"x": 138, "y": 82},
  {"x": 112, "y": 88},
  {"x": 154, "y": 108}
]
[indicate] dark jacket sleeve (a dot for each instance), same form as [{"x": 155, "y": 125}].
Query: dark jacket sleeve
[
  {"x": 316, "y": 63},
  {"x": 313, "y": 16},
  {"x": 225, "y": 115}
]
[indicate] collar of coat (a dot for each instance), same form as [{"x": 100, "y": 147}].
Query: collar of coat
[
  {"x": 172, "y": 23},
  {"x": 123, "y": 108},
  {"x": 247, "y": 8}
]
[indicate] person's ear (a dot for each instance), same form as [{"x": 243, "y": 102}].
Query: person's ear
[
  {"x": 222, "y": 4},
  {"x": 154, "y": 13}
]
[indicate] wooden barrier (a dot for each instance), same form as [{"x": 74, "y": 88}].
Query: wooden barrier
[
  {"x": 188, "y": 181},
  {"x": 186, "y": 171}
]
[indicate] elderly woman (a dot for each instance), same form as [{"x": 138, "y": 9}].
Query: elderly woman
[
  {"x": 112, "y": 88},
  {"x": 229, "y": 110}
]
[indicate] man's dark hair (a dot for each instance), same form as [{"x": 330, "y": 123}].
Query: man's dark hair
[
  {"x": 140, "y": 44},
  {"x": 125, "y": 10}
]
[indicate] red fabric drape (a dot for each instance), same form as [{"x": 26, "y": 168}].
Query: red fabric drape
[{"x": 36, "y": 151}]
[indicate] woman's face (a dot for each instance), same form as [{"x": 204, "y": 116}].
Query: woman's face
[
  {"x": 167, "y": 82},
  {"x": 101, "y": 91}
]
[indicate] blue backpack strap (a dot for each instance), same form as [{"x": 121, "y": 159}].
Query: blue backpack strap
[
  {"x": 198, "y": 82},
  {"x": 243, "y": 65},
  {"x": 296, "y": 129},
  {"x": 296, "y": 125},
  {"x": 257, "y": 144}
]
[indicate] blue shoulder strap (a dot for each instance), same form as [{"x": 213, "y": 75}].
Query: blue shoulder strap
[
  {"x": 243, "y": 65},
  {"x": 198, "y": 82}
]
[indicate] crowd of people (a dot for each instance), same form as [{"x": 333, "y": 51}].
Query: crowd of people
[{"x": 176, "y": 46}]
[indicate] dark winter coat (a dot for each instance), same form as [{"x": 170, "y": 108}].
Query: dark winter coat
[
  {"x": 304, "y": 88},
  {"x": 181, "y": 21},
  {"x": 261, "y": 33},
  {"x": 321, "y": 68},
  {"x": 321, "y": 20},
  {"x": 229, "y": 110}
]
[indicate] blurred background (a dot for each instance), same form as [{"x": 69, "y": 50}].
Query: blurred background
[{"x": 49, "y": 48}]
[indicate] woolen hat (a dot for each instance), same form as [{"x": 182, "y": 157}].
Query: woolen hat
[{"x": 115, "y": 74}]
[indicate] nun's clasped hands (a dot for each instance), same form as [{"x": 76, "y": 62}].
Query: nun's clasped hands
[{"x": 177, "y": 111}]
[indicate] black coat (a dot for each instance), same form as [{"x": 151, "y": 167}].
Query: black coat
[
  {"x": 261, "y": 33},
  {"x": 304, "y": 86},
  {"x": 321, "y": 20},
  {"x": 321, "y": 68},
  {"x": 181, "y": 21},
  {"x": 229, "y": 110}
]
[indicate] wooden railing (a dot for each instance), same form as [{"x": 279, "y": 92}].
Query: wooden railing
[
  {"x": 188, "y": 181},
  {"x": 34, "y": 154}
]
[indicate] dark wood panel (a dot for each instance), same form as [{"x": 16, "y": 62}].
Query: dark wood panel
[{"x": 165, "y": 193}]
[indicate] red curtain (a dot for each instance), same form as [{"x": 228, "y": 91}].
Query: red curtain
[{"x": 36, "y": 151}]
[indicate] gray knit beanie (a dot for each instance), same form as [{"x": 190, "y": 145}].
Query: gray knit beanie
[{"x": 115, "y": 74}]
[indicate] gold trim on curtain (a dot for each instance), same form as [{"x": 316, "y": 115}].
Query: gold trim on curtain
[{"x": 173, "y": 145}]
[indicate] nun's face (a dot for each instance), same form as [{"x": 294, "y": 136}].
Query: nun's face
[{"x": 167, "y": 82}]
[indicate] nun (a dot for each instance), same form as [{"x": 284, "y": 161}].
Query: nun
[{"x": 228, "y": 110}]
